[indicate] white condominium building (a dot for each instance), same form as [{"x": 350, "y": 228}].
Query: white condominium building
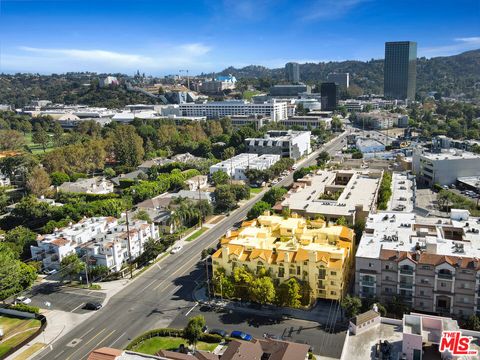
[{"x": 276, "y": 110}]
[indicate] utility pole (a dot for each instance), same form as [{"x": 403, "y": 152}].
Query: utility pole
[
  {"x": 86, "y": 268},
  {"x": 208, "y": 276}
]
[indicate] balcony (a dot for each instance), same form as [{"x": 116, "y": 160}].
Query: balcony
[
  {"x": 406, "y": 271},
  {"x": 367, "y": 283},
  {"x": 405, "y": 285},
  {"x": 445, "y": 276}
]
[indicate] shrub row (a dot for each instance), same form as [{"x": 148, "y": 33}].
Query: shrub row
[
  {"x": 208, "y": 338},
  {"x": 25, "y": 308}
]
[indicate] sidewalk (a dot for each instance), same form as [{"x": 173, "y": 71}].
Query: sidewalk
[{"x": 319, "y": 313}]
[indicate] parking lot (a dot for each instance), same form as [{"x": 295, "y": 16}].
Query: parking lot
[
  {"x": 54, "y": 297},
  {"x": 325, "y": 342}
]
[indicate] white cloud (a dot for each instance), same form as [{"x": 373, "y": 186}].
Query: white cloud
[
  {"x": 46, "y": 60},
  {"x": 328, "y": 9},
  {"x": 459, "y": 45}
]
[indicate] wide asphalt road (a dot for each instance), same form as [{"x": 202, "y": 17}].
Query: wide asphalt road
[{"x": 157, "y": 297}]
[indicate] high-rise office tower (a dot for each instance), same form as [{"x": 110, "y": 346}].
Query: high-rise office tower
[
  {"x": 329, "y": 96},
  {"x": 341, "y": 79},
  {"x": 292, "y": 72},
  {"x": 400, "y": 70}
]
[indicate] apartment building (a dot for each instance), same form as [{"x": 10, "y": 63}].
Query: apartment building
[
  {"x": 432, "y": 264},
  {"x": 236, "y": 166},
  {"x": 103, "y": 239},
  {"x": 310, "y": 251},
  {"x": 350, "y": 194},
  {"x": 292, "y": 144},
  {"x": 444, "y": 166},
  {"x": 379, "y": 120},
  {"x": 276, "y": 110}
]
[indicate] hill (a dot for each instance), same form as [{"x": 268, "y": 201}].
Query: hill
[{"x": 449, "y": 75}]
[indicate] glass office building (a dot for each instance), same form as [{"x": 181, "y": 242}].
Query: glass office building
[{"x": 400, "y": 71}]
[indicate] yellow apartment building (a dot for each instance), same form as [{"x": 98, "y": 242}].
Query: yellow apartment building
[{"x": 308, "y": 250}]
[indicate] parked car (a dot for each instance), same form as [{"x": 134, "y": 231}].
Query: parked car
[
  {"x": 24, "y": 300},
  {"x": 220, "y": 332},
  {"x": 92, "y": 306},
  {"x": 241, "y": 335},
  {"x": 176, "y": 249},
  {"x": 49, "y": 272}
]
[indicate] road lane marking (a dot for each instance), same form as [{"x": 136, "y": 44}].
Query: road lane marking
[
  {"x": 89, "y": 341},
  {"x": 98, "y": 343},
  {"x": 153, "y": 282},
  {"x": 118, "y": 338},
  {"x": 76, "y": 308},
  {"x": 193, "y": 307},
  {"x": 60, "y": 353}
]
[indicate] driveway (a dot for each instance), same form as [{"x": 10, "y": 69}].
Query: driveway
[{"x": 63, "y": 298}]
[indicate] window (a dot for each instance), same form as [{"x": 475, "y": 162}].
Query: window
[
  {"x": 333, "y": 273},
  {"x": 421, "y": 303},
  {"x": 370, "y": 264},
  {"x": 425, "y": 267},
  {"x": 321, "y": 273},
  {"x": 333, "y": 292},
  {"x": 422, "y": 293},
  {"x": 305, "y": 263},
  {"x": 298, "y": 270},
  {"x": 332, "y": 283},
  {"x": 442, "y": 284},
  {"x": 281, "y": 271},
  {"x": 387, "y": 267},
  {"x": 388, "y": 290},
  {"x": 387, "y": 278}
]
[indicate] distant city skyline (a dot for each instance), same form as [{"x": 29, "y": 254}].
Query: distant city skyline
[{"x": 161, "y": 37}]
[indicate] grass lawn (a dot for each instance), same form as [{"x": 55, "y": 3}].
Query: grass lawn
[
  {"x": 35, "y": 148},
  {"x": 15, "y": 331},
  {"x": 196, "y": 234},
  {"x": 255, "y": 190},
  {"x": 155, "y": 344},
  {"x": 30, "y": 351}
]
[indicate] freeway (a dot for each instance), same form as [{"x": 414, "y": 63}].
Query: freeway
[{"x": 158, "y": 296}]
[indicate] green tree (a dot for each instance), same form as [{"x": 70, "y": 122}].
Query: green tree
[
  {"x": 11, "y": 140},
  {"x": 228, "y": 153},
  {"x": 152, "y": 249},
  {"x": 473, "y": 323},
  {"x": 194, "y": 329},
  {"x": 3, "y": 199},
  {"x": 224, "y": 197},
  {"x": 109, "y": 173},
  {"x": 288, "y": 293},
  {"x": 127, "y": 145},
  {"x": 72, "y": 265},
  {"x": 57, "y": 134},
  {"x": 98, "y": 271},
  {"x": 323, "y": 158},
  {"x": 15, "y": 276},
  {"x": 220, "y": 178},
  {"x": 143, "y": 215},
  {"x": 351, "y": 305},
  {"x": 262, "y": 290},
  {"x": 341, "y": 221},
  {"x": 38, "y": 181},
  {"x": 258, "y": 209},
  {"x": 21, "y": 239},
  {"x": 58, "y": 178},
  {"x": 40, "y": 137},
  {"x": 274, "y": 195}
]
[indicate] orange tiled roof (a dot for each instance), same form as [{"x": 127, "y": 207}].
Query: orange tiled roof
[
  {"x": 346, "y": 234},
  {"x": 60, "y": 242},
  {"x": 235, "y": 249},
  {"x": 105, "y": 354},
  {"x": 217, "y": 253},
  {"x": 265, "y": 255},
  {"x": 335, "y": 264},
  {"x": 301, "y": 255},
  {"x": 323, "y": 256}
]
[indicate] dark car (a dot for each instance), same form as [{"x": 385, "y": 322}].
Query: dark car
[
  {"x": 92, "y": 306},
  {"x": 220, "y": 332},
  {"x": 241, "y": 335}
]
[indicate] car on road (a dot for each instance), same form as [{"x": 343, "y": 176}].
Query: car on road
[
  {"x": 92, "y": 306},
  {"x": 220, "y": 332},
  {"x": 241, "y": 335},
  {"x": 24, "y": 300},
  {"x": 176, "y": 249}
]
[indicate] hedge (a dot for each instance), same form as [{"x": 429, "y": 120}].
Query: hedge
[
  {"x": 208, "y": 338},
  {"x": 25, "y": 308}
]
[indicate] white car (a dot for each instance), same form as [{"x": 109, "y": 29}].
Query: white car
[
  {"x": 24, "y": 300},
  {"x": 176, "y": 249}
]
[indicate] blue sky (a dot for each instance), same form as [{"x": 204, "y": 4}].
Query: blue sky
[{"x": 160, "y": 37}]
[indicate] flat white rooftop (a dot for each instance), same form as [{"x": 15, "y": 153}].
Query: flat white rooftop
[
  {"x": 451, "y": 154},
  {"x": 402, "y": 231}
]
